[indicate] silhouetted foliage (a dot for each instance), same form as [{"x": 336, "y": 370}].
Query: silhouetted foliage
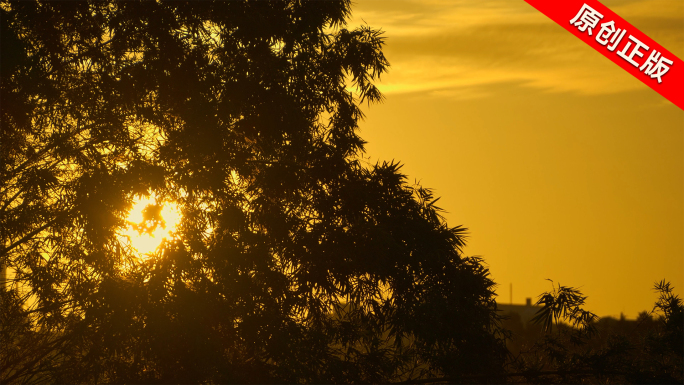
[
  {"x": 644, "y": 351},
  {"x": 564, "y": 303},
  {"x": 294, "y": 260}
]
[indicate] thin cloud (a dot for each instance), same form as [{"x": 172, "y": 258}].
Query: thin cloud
[{"x": 438, "y": 45}]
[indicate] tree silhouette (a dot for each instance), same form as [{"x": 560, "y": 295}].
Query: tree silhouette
[{"x": 295, "y": 261}]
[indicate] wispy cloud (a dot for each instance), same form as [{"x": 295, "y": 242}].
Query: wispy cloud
[{"x": 454, "y": 47}]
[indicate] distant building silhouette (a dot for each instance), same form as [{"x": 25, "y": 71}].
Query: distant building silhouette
[{"x": 526, "y": 311}]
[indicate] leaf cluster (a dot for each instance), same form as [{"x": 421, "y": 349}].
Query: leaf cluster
[{"x": 564, "y": 303}]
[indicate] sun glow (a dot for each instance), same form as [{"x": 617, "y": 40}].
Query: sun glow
[{"x": 150, "y": 222}]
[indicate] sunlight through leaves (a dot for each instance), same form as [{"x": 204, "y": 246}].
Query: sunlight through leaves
[{"x": 150, "y": 222}]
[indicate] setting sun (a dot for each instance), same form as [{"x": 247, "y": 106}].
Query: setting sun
[{"x": 145, "y": 233}]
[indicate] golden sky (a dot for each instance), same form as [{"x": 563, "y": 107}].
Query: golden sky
[{"x": 561, "y": 164}]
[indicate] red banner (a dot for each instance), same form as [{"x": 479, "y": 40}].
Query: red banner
[{"x": 620, "y": 42}]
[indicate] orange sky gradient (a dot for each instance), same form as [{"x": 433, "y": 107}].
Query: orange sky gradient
[{"x": 561, "y": 164}]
